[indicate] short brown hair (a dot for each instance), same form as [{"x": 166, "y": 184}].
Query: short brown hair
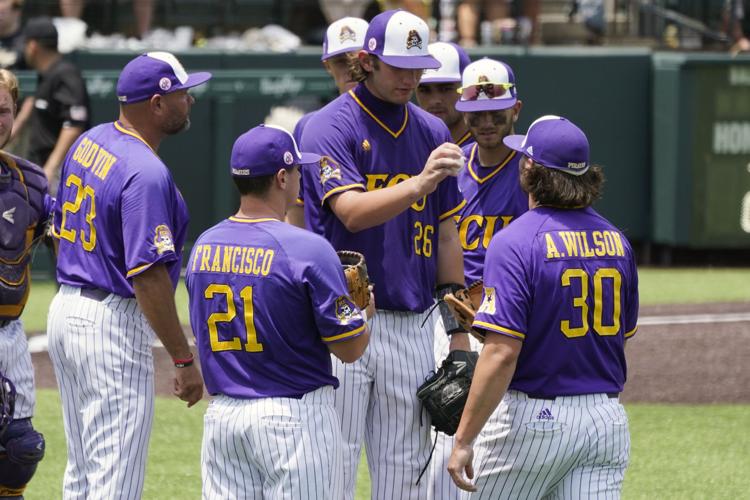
[
  {"x": 359, "y": 74},
  {"x": 558, "y": 189},
  {"x": 9, "y": 82}
]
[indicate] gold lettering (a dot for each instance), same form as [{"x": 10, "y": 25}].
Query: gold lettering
[
  {"x": 552, "y": 252},
  {"x": 609, "y": 243},
  {"x": 81, "y": 149},
  {"x": 376, "y": 181},
  {"x": 205, "y": 257},
  {"x": 489, "y": 230},
  {"x": 463, "y": 232},
  {"x": 396, "y": 179},
  {"x": 195, "y": 256},
  {"x": 599, "y": 250},
  {"x": 258, "y": 256},
  {"x": 584, "y": 241},
  {"x": 226, "y": 262},
  {"x": 506, "y": 220},
  {"x": 104, "y": 170},
  {"x": 216, "y": 265},
  {"x": 267, "y": 259},
  {"x": 88, "y": 158},
  {"x": 569, "y": 241},
  {"x": 249, "y": 260},
  {"x": 419, "y": 204},
  {"x": 242, "y": 261},
  {"x": 618, "y": 244},
  {"x": 235, "y": 266}
]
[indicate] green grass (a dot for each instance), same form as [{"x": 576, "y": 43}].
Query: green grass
[
  {"x": 680, "y": 452},
  {"x": 657, "y": 286}
]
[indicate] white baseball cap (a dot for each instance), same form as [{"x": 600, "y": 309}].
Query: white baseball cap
[
  {"x": 487, "y": 85},
  {"x": 453, "y": 60},
  {"x": 345, "y": 35},
  {"x": 400, "y": 39}
]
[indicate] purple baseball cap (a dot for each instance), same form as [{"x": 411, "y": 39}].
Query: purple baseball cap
[
  {"x": 554, "y": 142},
  {"x": 487, "y": 85},
  {"x": 453, "y": 60},
  {"x": 266, "y": 149},
  {"x": 155, "y": 73},
  {"x": 345, "y": 35},
  {"x": 400, "y": 39}
]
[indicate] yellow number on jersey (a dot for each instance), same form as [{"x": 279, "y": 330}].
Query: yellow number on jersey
[
  {"x": 580, "y": 302},
  {"x": 82, "y": 192},
  {"x": 423, "y": 239},
  {"x": 235, "y": 344}
]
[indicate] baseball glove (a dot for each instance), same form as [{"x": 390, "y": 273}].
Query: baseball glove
[
  {"x": 355, "y": 271},
  {"x": 444, "y": 393},
  {"x": 464, "y": 304},
  {"x": 7, "y": 403}
]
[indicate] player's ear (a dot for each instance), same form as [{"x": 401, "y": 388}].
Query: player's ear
[
  {"x": 366, "y": 61},
  {"x": 517, "y": 110}
]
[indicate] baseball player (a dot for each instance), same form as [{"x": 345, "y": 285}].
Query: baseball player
[
  {"x": 25, "y": 208},
  {"x": 437, "y": 92},
  {"x": 121, "y": 225},
  {"x": 493, "y": 197},
  {"x": 272, "y": 430},
  {"x": 343, "y": 40},
  {"x": 385, "y": 188},
  {"x": 560, "y": 300}
]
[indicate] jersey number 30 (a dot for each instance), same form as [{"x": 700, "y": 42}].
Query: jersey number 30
[
  {"x": 579, "y": 302},
  {"x": 72, "y": 207},
  {"x": 235, "y": 344}
]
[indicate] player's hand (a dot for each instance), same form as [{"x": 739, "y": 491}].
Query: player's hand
[
  {"x": 188, "y": 384},
  {"x": 370, "y": 309},
  {"x": 459, "y": 342},
  {"x": 460, "y": 462},
  {"x": 447, "y": 159}
]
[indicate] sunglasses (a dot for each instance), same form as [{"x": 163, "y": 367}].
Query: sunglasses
[{"x": 490, "y": 89}]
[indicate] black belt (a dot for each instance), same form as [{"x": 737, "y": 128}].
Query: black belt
[
  {"x": 610, "y": 395},
  {"x": 5, "y": 322},
  {"x": 96, "y": 294}
]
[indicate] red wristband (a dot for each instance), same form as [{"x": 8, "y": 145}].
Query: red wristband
[{"x": 183, "y": 363}]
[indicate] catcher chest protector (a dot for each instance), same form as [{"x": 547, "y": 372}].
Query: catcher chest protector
[{"x": 22, "y": 189}]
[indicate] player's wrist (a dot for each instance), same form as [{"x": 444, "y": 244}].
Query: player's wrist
[{"x": 184, "y": 362}]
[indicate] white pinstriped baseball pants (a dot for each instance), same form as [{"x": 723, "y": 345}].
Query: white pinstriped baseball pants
[
  {"x": 377, "y": 404},
  {"x": 101, "y": 352},
  {"x": 15, "y": 363},
  {"x": 272, "y": 448},
  {"x": 573, "y": 447}
]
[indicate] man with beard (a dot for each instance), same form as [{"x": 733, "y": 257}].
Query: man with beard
[
  {"x": 121, "y": 224},
  {"x": 438, "y": 89}
]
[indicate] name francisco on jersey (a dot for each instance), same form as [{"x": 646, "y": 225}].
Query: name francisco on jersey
[
  {"x": 583, "y": 244},
  {"x": 250, "y": 261},
  {"x": 91, "y": 155}
]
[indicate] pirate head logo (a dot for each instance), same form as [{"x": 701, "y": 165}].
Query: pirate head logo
[
  {"x": 163, "y": 239},
  {"x": 165, "y": 84},
  {"x": 366, "y": 146},
  {"x": 486, "y": 89},
  {"x": 329, "y": 169},
  {"x": 347, "y": 34},
  {"x": 346, "y": 311},
  {"x": 413, "y": 40}
]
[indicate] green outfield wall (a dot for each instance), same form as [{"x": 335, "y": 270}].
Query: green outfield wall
[{"x": 672, "y": 131}]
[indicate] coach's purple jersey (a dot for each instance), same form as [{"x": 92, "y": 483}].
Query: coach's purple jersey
[
  {"x": 369, "y": 144},
  {"x": 265, "y": 298},
  {"x": 118, "y": 212},
  {"x": 564, "y": 282},
  {"x": 493, "y": 199}
]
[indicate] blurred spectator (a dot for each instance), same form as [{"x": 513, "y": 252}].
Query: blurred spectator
[
  {"x": 59, "y": 111},
  {"x": 499, "y": 25},
  {"x": 732, "y": 16},
  {"x": 591, "y": 13},
  {"x": 421, "y": 8},
  {"x": 143, "y": 10},
  {"x": 11, "y": 36}
]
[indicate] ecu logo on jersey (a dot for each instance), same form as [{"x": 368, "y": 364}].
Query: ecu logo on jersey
[
  {"x": 346, "y": 311},
  {"x": 347, "y": 34},
  {"x": 366, "y": 146},
  {"x": 488, "y": 304},
  {"x": 163, "y": 239},
  {"x": 413, "y": 40},
  {"x": 329, "y": 169}
]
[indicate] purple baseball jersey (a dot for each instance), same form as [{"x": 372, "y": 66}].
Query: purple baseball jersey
[
  {"x": 370, "y": 144},
  {"x": 466, "y": 140},
  {"x": 564, "y": 282},
  {"x": 265, "y": 299},
  {"x": 494, "y": 198},
  {"x": 118, "y": 212}
]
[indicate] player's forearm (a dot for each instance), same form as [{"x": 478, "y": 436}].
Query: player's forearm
[
  {"x": 351, "y": 350},
  {"x": 359, "y": 210},
  {"x": 450, "y": 257},
  {"x": 67, "y": 137},
  {"x": 155, "y": 296},
  {"x": 495, "y": 368}
]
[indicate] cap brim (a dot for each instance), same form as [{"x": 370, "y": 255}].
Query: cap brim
[
  {"x": 195, "y": 79},
  {"x": 514, "y": 142},
  {"x": 440, "y": 79},
  {"x": 485, "y": 104},
  {"x": 329, "y": 55},
  {"x": 411, "y": 62},
  {"x": 308, "y": 159}
]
